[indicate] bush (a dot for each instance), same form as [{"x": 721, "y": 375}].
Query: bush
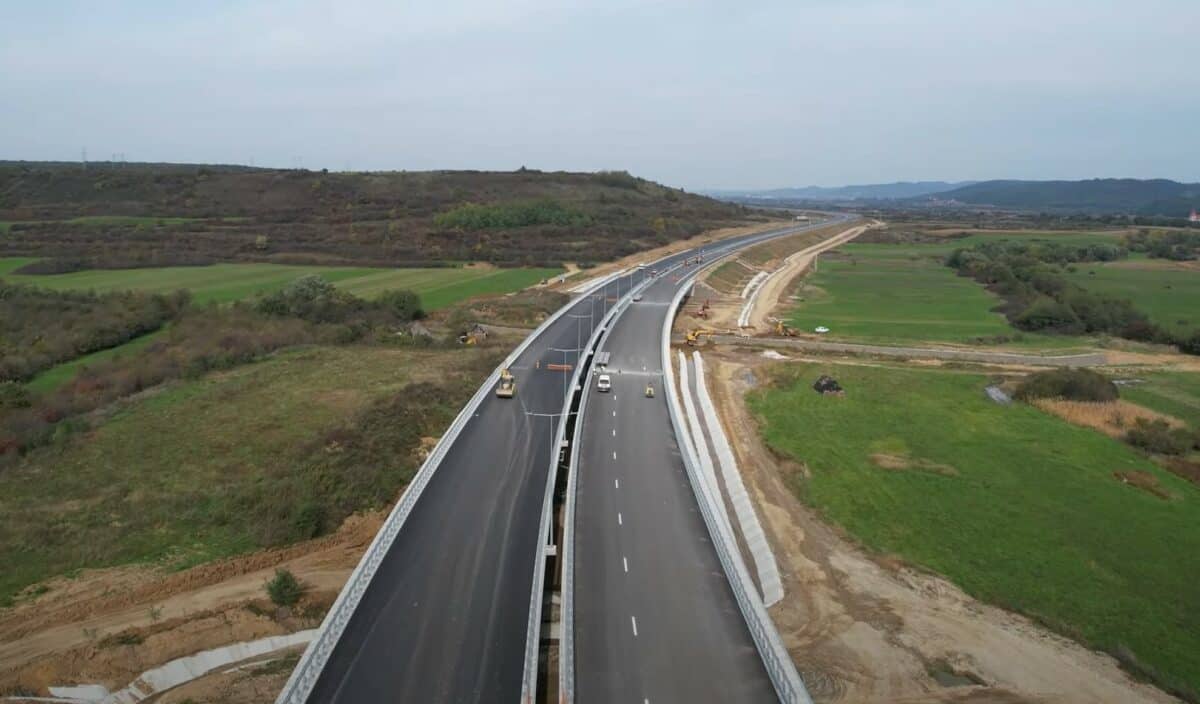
[
  {"x": 13, "y": 395},
  {"x": 309, "y": 521},
  {"x": 284, "y": 589},
  {"x": 1069, "y": 384},
  {"x": 404, "y": 304},
  {"x": 1047, "y": 314},
  {"x": 1158, "y": 437}
]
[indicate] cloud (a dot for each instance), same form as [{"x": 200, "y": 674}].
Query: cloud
[{"x": 696, "y": 93}]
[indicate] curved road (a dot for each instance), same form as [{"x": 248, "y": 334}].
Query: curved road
[{"x": 445, "y": 616}]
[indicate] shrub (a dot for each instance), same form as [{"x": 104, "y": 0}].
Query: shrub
[
  {"x": 1069, "y": 384},
  {"x": 284, "y": 589},
  {"x": 1158, "y": 437},
  {"x": 309, "y": 521},
  {"x": 13, "y": 395},
  {"x": 1047, "y": 314},
  {"x": 404, "y": 304}
]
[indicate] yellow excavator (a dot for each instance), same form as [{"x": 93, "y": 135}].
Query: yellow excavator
[
  {"x": 507, "y": 386},
  {"x": 784, "y": 330},
  {"x": 694, "y": 335}
]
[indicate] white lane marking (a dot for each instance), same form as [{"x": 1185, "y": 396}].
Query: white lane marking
[
  {"x": 633, "y": 620},
  {"x": 616, "y": 483},
  {"x": 625, "y": 561},
  {"x": 614, "y": 414},
  {"x": 614, "y": 432},
  {"x": 614, "y": 454},
  {"x": 619, "y": 521}
]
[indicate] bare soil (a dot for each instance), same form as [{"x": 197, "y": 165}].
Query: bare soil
[
  {"x": 867, "y": 629},
  {"x": 108, "y": 626}
]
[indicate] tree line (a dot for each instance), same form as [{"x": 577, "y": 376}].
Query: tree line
[
  {"x": 40, "y": 328},
  {"x": 1029, "y": 276},
  {"x": 198, "y": 340}
]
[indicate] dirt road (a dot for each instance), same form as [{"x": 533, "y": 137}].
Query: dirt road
[
  {"x": 769, "y": 296},
  {"x": 863, "y": 630}
]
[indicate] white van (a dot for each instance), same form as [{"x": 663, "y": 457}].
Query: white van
[{"x": 604, "y": 383}]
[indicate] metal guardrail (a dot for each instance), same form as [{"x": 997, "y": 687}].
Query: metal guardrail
[
  {"x": 776, "y": 660},
  {"x": 304, "y": 677},
  {"x": 312, "y": 662},
  {"x": 533, "y": 629},
  {"x": 566, "y": 647}
]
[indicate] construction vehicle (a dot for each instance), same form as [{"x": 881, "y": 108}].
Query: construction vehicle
[
  {"x": 693, "y": 336},
  {"x": 507, "y": 386},
  {"x": 703, "y": 312},
  {"x": 785, "y": 330}
]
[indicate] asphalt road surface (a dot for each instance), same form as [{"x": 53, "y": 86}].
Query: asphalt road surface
[
  {"x": 655, "y": 618},
  {"x": 445, "y": 617}
]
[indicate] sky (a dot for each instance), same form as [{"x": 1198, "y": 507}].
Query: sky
[{"x": 700, "y": 94}]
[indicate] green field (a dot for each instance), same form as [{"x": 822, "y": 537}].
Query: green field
[
  {"x": 212, "y": 467},
  {"x": 223, "y": 283},
  {"x": 900, "y": 293},
  {"x": 59, "y": 374},
  {"x": 1174, "y": 393},
  {"x": 1015, "y": 506},
  {"x": 1069, "y": 237},
  {"x": 1169, "y": 295}
]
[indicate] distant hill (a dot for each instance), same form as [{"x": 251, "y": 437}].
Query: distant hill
[
  {"x": 111, "y": 215},
  {"x": 871, "y": 191},
  {"x": 1103, "y": 195}
]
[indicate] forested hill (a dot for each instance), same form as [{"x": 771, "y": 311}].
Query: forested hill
[
  {"x": 115, "y": 215},
  {"x": 1106, "y": 195}
]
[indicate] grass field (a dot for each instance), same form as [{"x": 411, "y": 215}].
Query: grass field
[
  {"x": 201, "y": 469},
  {"x": 59, "y": 374},
  {"x": 223, "y": 283},
  {"x": 1169, "y": 294},
  {"x": 901, "y": 293},
  {"x": 1174, "y": 393},
  {"x": 1015, "y": 506}
]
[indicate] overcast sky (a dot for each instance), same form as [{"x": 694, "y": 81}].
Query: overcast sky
[{"x": 695, "y": 94}]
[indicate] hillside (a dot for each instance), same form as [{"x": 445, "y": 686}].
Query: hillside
[
  {"x": 1106, "y": 195},
  {"x": 870, "y": 191},
  {"x": 120, "y": 215}
]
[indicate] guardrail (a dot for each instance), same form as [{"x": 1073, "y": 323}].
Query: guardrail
[
  {"x": 308, "y": 670},
  {"x": 566, "y": 647},
  {"x": 534, "y": 627},
  {"x": 776, "y": 660}
]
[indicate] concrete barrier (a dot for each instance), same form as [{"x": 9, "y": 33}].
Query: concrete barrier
[{"x": 748, "y": 523}]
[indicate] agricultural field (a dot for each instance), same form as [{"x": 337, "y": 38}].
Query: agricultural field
[
  {"x": 224, "y": 283},
  {"x": 259, "y": 455},
  {"x": 902, "y": 293},
  {"x": 1016, "y": 506},
  {"x": 1169, "y": 292}
]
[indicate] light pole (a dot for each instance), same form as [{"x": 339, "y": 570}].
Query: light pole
[{"x": 564, "y": 371}]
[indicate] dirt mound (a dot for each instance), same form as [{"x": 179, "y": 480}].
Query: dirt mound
[
  {"x": 898, "y": 463},
  {"x": 1143, "y": 480}
]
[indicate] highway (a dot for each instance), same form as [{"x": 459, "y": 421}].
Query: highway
[
  {"x": 655, "y": 619},
  {"x": 445, "y": 617},
  {"x": 654, "y": 615}
]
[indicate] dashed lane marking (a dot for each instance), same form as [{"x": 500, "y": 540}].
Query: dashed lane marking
[{"x": 633, "y": 620}]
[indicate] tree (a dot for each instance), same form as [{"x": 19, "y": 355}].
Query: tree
[
  {"x": 404, "y": 304},
  {"x": 284, "y": 589}
]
